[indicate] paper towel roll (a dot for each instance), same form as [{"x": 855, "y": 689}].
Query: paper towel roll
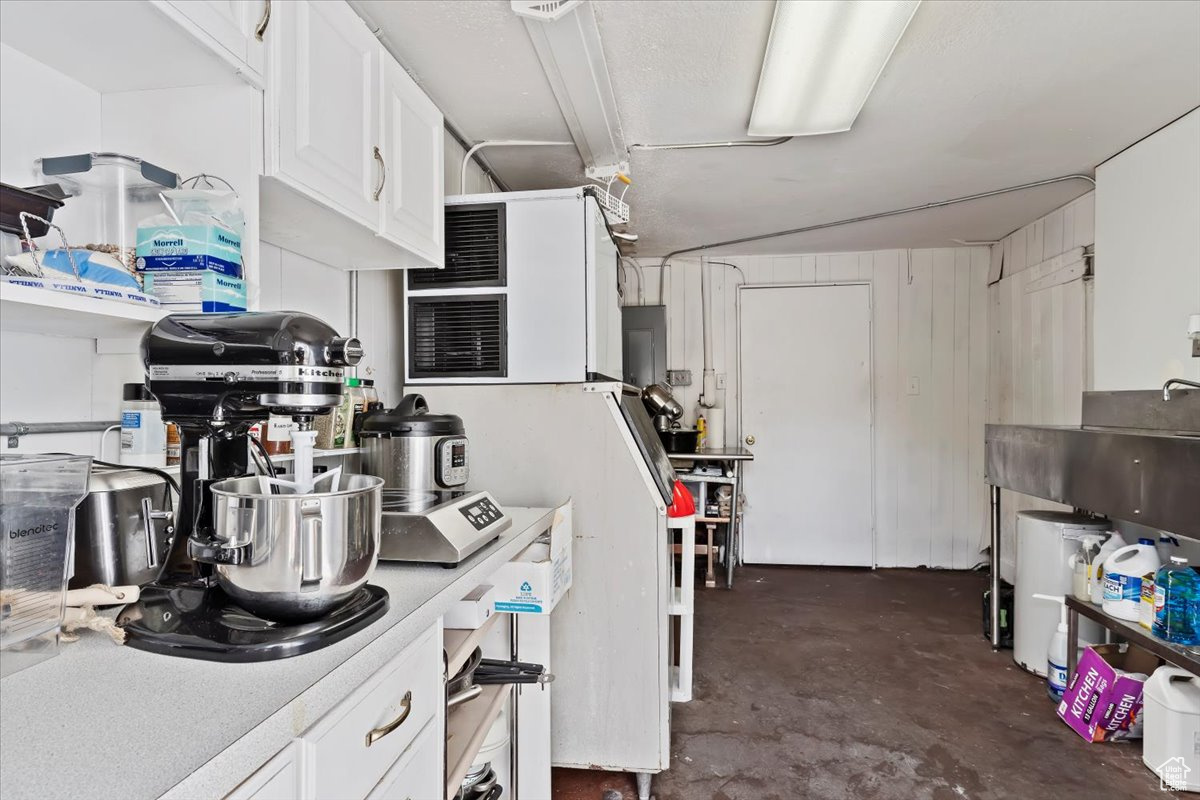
[{"x": 716, "y": 426}]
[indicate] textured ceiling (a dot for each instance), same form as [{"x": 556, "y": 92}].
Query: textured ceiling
[{"x": 978, "y": 96}]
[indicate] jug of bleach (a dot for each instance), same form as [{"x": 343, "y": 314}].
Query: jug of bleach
[
  {"x": 1096, "y": 571},
  {"x": 1123, "y": 572},
  {"x": 1056, "y": 653}
]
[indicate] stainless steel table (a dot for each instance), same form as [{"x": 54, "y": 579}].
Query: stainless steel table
[
  {"x": 732, "y": 458},
  {"x": 1135, "y": 457},
  {"x": 1180, "y": 656}
]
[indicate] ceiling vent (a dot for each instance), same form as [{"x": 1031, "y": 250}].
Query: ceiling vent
[
  {"x": 476, "y": 252},
  {"x": 458, "y": 336},
  {"x": 544, "y": 10}
]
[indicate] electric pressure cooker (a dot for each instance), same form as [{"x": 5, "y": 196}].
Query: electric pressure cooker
[{"x": 422, "y": 457}]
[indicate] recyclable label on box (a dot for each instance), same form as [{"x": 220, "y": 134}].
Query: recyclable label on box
[{"x": 534, "y": 581}]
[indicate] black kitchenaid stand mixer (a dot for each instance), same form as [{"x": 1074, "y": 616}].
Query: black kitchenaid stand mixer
[{"x": 215, "y": 375}]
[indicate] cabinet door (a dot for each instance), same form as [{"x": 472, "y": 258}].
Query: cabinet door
[
  {"x": 232, "y": 25},
  {"x": 412, "y": 211},
  {"x": 417, "y": 774},
  {"x": 278, "y": 779},
  {"x": 323, "y": 89}
]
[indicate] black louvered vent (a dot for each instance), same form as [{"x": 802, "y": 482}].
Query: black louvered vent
[
  {"x": 460, "y": 336},
  {"x": 475, "y": 249}
]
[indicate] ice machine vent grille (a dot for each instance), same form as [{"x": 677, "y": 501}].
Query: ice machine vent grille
[
  {"x": 475, "y": 249},
  {"x": 459, "y": 336}
]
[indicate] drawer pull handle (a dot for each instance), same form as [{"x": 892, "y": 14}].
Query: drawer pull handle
[{"x": 378, "y": 733}]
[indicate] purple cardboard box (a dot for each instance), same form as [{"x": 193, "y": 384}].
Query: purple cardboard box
[{"x": 1103, "y": 701}]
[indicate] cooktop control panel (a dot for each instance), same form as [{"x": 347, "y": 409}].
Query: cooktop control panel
[
  {"x": 482, "y": 513},
  {"x": 452, "y": 461}
]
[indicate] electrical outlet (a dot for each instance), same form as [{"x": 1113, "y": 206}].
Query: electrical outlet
[
  {"x": 720, "y": 380},
  {"x": 914, "y": 385},
  {"x": 679, "y": 377}
]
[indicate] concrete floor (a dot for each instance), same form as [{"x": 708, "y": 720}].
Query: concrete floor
[{"x": 838, "y": 683}]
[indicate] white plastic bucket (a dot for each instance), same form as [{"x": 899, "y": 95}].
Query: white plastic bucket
[{"x": 1171, "y": 728}]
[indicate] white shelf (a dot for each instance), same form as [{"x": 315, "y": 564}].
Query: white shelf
[
  {"x": 461, "y": 643},
  {"x": 467, "y": 727},
  {"x": 677, "y": 607},
  {"x": 67, "y": 37},
  {"x": 35, "y": 310}
]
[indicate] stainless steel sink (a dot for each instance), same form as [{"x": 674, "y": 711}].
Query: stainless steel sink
[{"x": 1136, "y": 457}]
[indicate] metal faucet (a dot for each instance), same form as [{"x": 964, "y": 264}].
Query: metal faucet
[{"x": 1177, "y": 382}]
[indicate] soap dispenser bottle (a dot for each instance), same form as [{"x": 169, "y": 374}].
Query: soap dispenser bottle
[{"x": 1056, "y": 653}]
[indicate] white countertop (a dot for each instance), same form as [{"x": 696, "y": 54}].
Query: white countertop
[{"x": 101, "y": 720}]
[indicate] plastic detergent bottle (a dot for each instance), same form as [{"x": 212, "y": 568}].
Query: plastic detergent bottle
[
  {"x": 1123, "y": 571},
  {"x": 1096, "y": 572},
  {"x": 1056, "y": 653},
  {"x": 1177, "y": 603},
  {"x": 1081, "y": 564}
]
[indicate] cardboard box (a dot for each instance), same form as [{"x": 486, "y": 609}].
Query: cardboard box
[
  {"x": 534, "y": 581},
  {"x": 473, "y": 610},
  {"x": 197, "y": 291},
  {"x": 182, "y": 248},
  {"x": 1103, "y": 701}
]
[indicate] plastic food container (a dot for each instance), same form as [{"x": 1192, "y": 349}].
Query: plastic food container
[
  {"x": 38, "y": 495},
  {"x": 113, "y": 192}
]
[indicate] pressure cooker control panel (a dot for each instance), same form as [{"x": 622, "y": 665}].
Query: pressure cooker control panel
[
  {"x": 452, "y": 461},
  {"x": 482, "y": 513}
]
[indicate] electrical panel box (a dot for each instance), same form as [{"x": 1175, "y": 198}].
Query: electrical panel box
[{"x": 644, "y": 349}]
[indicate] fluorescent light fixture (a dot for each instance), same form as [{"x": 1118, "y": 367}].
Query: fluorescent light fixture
[
  {"x": 823, "y": 58},
  {"x": 567, "y": 40}
]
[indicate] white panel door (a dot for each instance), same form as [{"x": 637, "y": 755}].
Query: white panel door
[
  {"x": 806, "y": 406},
  {"x": 325, "y": 85},
  {"x": 413, "y": 189}
]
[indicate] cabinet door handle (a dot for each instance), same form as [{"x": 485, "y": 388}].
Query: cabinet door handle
[
  {"x": 261, "y": 28},
  {"x": 382, "y": 174},
  {"x": 378, "y": 733}
]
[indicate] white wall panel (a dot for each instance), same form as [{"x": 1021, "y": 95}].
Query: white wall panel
[
  {"x": 1148, "y": 259},
  {"x": 930, "y": 500},
  {"x": 1037, "y": 340},
  {"x": 53, "y": 378}
]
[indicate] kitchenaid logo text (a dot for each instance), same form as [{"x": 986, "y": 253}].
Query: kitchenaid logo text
[
  {"x": 319, "y": 372},
  {"x": 18, "y": 533}
]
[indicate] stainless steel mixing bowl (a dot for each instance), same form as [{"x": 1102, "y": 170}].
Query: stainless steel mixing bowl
[{"x": 306, "y": 553}]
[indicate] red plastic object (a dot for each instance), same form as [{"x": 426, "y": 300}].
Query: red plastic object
[{"x": 682, "y": 504}]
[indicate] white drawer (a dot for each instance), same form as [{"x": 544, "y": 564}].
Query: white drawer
[
  {"x": 278, "y": 779},
  {"x": 349, "y": 749},
  {"x": 418, "y": 773}
]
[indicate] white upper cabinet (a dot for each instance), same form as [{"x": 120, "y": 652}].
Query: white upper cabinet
[
  {"x": 413, "y": 131},
  {"x": 353, "y": 147},
  {"x": 322, "y": 89},
  {"x": 236, "y": 30}
]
